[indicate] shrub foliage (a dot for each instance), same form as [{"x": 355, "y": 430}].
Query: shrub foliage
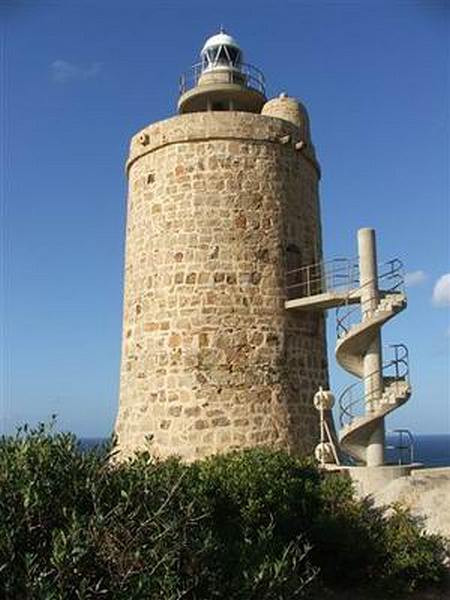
[{"x": 253, "y": 525}]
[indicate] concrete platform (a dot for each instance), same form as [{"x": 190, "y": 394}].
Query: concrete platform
[
  {"x": 424, "y": 490},
  {"x": 370, "y": 480},
  {"x": 324, "y": 301}
]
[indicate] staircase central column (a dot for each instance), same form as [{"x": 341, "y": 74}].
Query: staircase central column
[{"x": 373, "y": 375}]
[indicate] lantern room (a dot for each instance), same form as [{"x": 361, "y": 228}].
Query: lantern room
[{"x": 221, "y": 80}]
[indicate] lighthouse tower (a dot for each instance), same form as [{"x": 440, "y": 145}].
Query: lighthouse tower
[{"x": 222, "y": 204}]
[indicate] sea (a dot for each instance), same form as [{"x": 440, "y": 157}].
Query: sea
[{"x": 431, "y": 450}]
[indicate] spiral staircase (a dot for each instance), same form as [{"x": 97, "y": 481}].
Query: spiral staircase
[
  {"x": 365, "y": 301},
  {"x": 380, "y": 392}
]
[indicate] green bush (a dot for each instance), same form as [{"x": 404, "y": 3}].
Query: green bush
[
  {"x": 76, "y": 524},
  {"x": 253, "y": 525},
  {"x": 414, "y": 559},
  {"x": 347, "y": 535},
  {"x": 260, "y": 503}
]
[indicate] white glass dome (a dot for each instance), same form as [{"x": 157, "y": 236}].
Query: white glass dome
[{"x": 221, "y": 51}]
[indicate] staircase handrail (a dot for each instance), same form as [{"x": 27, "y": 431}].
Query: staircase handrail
[
  {"x": 346, "y": 412},
  {"x": 394, "y": 273},
  {"x": 400, "y": 363},
  {"x": 323, "y": 276},
  {"x": 401, "y": 447}
]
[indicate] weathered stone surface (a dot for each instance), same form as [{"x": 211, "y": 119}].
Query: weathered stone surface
[
  {"x": 426, "y": 493},
  {"x": 215, "y": 206}
]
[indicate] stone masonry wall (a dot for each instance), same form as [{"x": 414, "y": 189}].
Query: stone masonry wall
[{"x": 211, "y": 360}]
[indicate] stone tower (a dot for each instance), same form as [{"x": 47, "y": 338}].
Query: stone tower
[{"x": 223, "y": 201}]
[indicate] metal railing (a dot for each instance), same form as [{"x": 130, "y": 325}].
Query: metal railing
[
  {"x": 400, "y": 362},
  {"x": 338, "y": 274},
  {"x": 391, "y": 279},
  {"x": 354, "y": 397},
  {"x": 245, "y": 73},
  {"x": 402, "y": 445}
]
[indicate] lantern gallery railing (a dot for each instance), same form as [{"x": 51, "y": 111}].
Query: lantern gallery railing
[{"x": 251, "y": 76}]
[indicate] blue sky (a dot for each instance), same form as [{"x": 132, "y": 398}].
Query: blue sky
[{"x": 80, "y": 77}]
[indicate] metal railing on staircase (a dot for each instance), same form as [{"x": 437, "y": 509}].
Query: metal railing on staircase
[
  {"x": 354, "y": 399},
  {"x": 338, "y": 274},
  {"x": 404, "y": 444},
  {"x": 390, "y": 279}
]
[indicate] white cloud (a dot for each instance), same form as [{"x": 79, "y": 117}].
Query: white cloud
[
  {"x": 63, "y": 71},
  {"x": 415, "y": 278},
  {"x": 441, "y": 291}
]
